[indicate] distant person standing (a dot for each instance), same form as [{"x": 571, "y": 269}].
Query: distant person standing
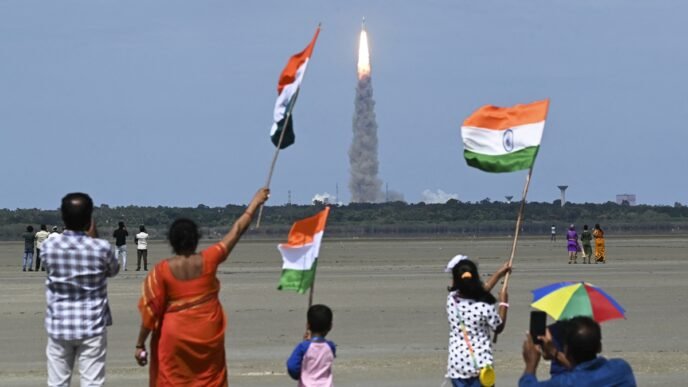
[
  {"x": 29, "y": 241},
  {"x": 586, "y": 241},
  {"x": 120, "y": 236},
  {"x": 553, "y": 235},
  {"x": 600, "y": 252},
  {"x": 54, "y": 232},
  {"x": 572, "y": 244},
  {"x": 41, "y": 235},
  {"x": 141, "y": 240},
  {"x": 78, "y": 312}
]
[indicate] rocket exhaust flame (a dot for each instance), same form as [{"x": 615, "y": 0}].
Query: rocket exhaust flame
[{"x": 363, "y": 55}]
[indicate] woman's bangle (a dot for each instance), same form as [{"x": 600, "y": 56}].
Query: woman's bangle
[
  {"x": 504, "y": 304},
  {"x": 140, "y": 346}
]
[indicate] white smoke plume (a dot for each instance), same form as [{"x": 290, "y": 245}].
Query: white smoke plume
[
  {"x": 439, "y": 197},
  {"x": 364, "y": 183},
  {"x": 324, "y": 198},
  {"x": 394, "y": 196}
]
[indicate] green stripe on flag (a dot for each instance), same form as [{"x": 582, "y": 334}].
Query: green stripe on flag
[
  {"x": 510, "y": 162},
  {"x": 297, "y": 280}
]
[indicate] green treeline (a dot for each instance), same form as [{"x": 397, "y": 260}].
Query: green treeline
[{"x": 394, "y": 219}]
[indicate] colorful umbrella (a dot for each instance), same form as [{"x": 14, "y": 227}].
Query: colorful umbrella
[{"x": 570, "y": 299}]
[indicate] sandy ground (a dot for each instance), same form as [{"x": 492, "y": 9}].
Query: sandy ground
[{"x": 388, "y": 299}]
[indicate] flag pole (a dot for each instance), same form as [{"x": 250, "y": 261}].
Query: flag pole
[
  {"x": 519, "y": 221},
  {"x": 279, "y": 143},
  {"x": 310, "y": 295},
  {"x": 274, "y": 159}
]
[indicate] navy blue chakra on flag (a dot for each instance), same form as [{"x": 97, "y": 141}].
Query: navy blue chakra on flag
[{"x": 508, "y": 140}]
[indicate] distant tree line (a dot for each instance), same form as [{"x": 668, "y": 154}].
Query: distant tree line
[{"x": 393, "y": 219}]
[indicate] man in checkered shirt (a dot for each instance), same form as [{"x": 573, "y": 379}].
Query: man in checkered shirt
[{"x": 78, "y": 312}]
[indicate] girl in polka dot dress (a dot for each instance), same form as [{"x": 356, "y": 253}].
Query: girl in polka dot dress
[{"x": 471, "y": 302}]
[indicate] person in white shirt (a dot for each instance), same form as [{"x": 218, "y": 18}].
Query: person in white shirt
[
  {"x": 53, "y": 233},
  {"x": 40, "y": 237},
  {"x": 141, "y": 240}
]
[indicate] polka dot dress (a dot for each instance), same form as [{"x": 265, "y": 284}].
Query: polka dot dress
[{"x": 479, "y": 318}]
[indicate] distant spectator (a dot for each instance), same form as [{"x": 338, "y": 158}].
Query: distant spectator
[
  {"x": 120, "y": 236},
  {"x": 572, "y": 244},
  {"x": 586, "y": 239},
  {"x": 600, "y": 251},
  {"x": 40, "y": 237},
  {"x": 54, "y": 232},
  {"x": 78, "y": 311},
  {"x": 141, "y": 241},
  {"x": 29, "y": 242},
  {"x": 582, "y": 344},
  {"x": 553, "y": 235},
  {"x": 311, "y": 361}
]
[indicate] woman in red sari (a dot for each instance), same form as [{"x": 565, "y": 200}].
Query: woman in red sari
[{"x": 179, "y": 304}]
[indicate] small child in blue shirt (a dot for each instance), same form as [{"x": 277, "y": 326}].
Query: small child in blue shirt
[{"x": 311, "y": 361}]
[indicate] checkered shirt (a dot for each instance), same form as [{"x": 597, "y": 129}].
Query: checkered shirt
[{"x": 76, "y": 288}]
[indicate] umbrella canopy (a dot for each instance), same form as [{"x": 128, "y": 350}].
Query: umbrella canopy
[{"x": 570, "y": 299}]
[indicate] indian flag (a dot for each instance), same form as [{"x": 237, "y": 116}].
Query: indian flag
[
  {"x": 300, "y": 253},
  {"x": 287, "y": 91},
  {"x": 504, "y": 139}
]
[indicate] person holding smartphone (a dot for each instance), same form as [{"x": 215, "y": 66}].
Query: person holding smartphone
[{"x": 582, "y": 345}]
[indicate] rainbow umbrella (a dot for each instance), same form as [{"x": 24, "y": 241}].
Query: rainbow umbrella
[{"x": 570, "y": 299}]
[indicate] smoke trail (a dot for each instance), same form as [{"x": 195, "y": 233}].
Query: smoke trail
[{"x": 364, "y": 183}]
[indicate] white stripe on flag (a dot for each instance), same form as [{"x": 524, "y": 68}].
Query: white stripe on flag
[
  {"x": 286, "y": 95},
  {"x": 300, "y": 257},
  {"x": 492, "y": 142}
]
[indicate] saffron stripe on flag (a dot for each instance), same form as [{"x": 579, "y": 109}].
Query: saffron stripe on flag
[{"x": 502, "y": 118}]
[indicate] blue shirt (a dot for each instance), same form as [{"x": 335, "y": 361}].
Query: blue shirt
[
  {"x": 597, "y": 372},
  {"x": 556, "y": 368}
]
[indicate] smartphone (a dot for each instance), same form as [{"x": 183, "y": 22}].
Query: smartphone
[{"x": 538, "y": 325}]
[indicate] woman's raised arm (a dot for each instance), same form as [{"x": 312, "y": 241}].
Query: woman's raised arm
[{"x": 241, "y": 225}]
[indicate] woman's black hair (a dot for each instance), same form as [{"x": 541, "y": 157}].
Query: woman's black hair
[
  {"x": 184, "y": 236},
  {"x": 29, "y": 228},
  {"x": 470, "y": 286},
  {"x": 142, "y": 228}
]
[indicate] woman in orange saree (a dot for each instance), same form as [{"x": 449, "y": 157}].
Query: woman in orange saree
[
  {"x": 179, "y": 305},
  {"x": 600, "y": 252}
]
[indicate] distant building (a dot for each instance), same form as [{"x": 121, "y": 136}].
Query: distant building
[{"x": 621, "y": 198}]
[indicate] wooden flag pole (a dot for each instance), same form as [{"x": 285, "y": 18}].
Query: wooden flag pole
[
  {"x": 519, "y": 220},
  {"x": 310, "y": 295},
  {"x": 274, "y": 160}
]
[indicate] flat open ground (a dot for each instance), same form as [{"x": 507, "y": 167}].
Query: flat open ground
[{"x": 388, "y": 299}]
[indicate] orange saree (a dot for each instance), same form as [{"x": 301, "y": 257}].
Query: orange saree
[{"x": 187, "y": 324}]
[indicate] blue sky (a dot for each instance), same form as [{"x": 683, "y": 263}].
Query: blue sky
[{"x": 170, "y": 102}]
